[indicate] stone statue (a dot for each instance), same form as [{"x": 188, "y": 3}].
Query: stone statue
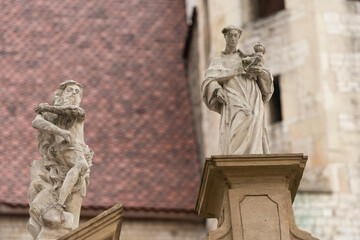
[
  {"x": 59, "y": 179},
  {"x": 236, "y": 85}
]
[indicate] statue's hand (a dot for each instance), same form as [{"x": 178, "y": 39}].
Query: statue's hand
[
  {"x": 41, "y": 107},
  {"x": 66, "y": 135},
  {"x": 76, "y": 111},
  {"x": 221, "y": 96},
  {"x": 255, "y": 69}
]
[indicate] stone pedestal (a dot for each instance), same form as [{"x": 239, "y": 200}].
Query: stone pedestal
[
  {"x": 105, "y": 226},
  {"x": 251, "y": 196}
]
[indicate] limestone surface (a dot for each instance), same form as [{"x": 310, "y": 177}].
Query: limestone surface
[
  {"x": 236, "y": 85},
  {"x": 105, "y": 226},
  {"x": 59, "y": 179},
  {"x": 251, "y": 196}
]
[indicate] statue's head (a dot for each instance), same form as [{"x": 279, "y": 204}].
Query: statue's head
[
  {"x": 69, "y": 93},
  {"x": 259, "y": 48},
  {"x": 232, "y": 35}
]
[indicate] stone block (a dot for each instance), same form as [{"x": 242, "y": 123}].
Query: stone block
[
  {"x": 105, "y": 226},
  {"x": 251, "y": 196}
]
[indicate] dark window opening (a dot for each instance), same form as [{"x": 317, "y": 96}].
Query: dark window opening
[
  {"x": 275, "y": 103},
  {"x": 268, "y": 7}
]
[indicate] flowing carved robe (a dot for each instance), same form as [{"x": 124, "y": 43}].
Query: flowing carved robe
[{"x": 242, "y": 127}]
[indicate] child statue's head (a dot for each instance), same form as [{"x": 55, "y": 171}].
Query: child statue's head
[{"x": 259, "y": 48}]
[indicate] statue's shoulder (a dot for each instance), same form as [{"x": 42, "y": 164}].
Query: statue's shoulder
[{"x": 215, "y": 62}]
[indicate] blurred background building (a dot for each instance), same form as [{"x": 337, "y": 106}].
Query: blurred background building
[{"x": 142, "y": 66}]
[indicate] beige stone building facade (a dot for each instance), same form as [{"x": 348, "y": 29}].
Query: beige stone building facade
[{"x": 313, "y": 52}]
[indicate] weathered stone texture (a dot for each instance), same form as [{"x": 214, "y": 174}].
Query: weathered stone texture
[
  {"x": 333, "y": 215},
  {"x": 251, "y": 196},
  {"x": 348, "y": 70},
  {"x": 105, "y": 226},
  {"x": 162, "y": 230},
  {"x": 14, "y": 228},
  {"x": 329, "y": 216}
]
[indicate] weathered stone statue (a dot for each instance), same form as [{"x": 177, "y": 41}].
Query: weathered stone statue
[
  {"x": 59, "y": 179},
  {"x": 236, "y": 85}
]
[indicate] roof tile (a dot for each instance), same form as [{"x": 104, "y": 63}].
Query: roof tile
[{"x": 128, "y": 56}]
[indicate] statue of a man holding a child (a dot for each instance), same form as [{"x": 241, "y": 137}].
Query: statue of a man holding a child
[{"x": 236, "y": 85}]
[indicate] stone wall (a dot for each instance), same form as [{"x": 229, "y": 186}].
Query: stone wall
[
  {"x": 329, "y": 216},
  {"x": 162, "y": 230},
  {"x": 334, "y": 215},
  {"x": 14, "y": 228}
]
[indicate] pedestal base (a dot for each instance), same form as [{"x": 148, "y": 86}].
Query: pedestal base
[{"x": 251, "y": 196}]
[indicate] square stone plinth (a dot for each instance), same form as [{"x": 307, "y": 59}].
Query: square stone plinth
[{"x": 251, "y": 196}]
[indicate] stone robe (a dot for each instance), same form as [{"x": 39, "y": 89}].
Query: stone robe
[{"x": 242, "y": 127}]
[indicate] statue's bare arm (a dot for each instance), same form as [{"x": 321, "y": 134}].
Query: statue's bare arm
[
  {"x": 41, "y": 124},
  {"x": 74, "y": 111}
]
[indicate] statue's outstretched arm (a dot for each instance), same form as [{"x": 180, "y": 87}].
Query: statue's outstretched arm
[
  {"x": 75, "y": 111},
  {"x": 40, "y": 124}
]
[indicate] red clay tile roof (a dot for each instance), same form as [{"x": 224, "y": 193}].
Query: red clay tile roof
[{"x": 128, "y": 56}]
